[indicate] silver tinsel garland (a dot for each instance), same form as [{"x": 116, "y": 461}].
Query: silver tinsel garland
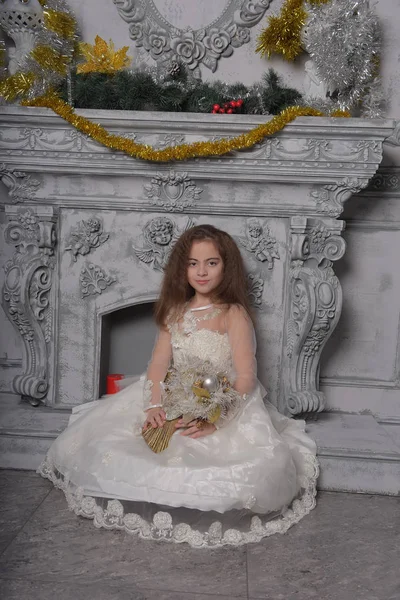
[{"x": 343, "y": 38}]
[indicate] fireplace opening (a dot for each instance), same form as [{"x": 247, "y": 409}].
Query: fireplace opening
[{"x": 127, "y": 339}]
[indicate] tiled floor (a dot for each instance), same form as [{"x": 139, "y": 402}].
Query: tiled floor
[{"x": 348, "y": 548}]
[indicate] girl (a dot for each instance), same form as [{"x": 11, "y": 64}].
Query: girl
[{"x": 225, "y": 480}]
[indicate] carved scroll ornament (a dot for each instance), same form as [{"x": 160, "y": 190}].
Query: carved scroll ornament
[
  {"x": 26, "y": 295},
  {"x": 315, "y": 303},
  {"x": 20, "y": 185},
  {"x": 330, "y": 198}
]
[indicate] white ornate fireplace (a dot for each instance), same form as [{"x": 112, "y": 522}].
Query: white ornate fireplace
[{"x": 88, "y": 232}]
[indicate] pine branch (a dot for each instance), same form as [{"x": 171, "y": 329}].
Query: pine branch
[{"x": 137, "y": 90}]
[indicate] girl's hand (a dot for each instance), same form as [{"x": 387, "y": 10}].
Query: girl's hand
[
  {"x": 155, "y": 417},
  {"x": 196, "y": 429}
]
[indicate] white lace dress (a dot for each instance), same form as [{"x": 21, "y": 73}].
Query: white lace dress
[{"x": 255, "y": 476}]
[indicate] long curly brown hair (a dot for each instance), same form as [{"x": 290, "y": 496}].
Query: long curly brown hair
[{"x": 176, "y": 290}]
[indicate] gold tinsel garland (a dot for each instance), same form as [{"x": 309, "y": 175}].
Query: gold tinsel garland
[
  {"x": 17, "y": 85},
  {"x": 51, "y": 60},
  {"x": 61, "y": 23},
  {"x": 48, "y": 58},
  {"x": 283, "y": 33},
  {"x": 184, "y": 151}
]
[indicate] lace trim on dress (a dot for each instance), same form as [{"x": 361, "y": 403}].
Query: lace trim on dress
[
  {"x": 161, "y": 526},
  {"x": 190, "y": 320}
]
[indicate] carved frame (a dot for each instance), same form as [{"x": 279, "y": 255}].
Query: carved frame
[{"x": 167, "y": 44}]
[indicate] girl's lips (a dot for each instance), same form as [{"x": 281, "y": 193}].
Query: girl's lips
[{"x": 201, "y": 281}]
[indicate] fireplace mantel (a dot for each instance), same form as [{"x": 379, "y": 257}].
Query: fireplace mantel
[
  {"x": 84, "y": 225},
  {"x": 323, "y": 161}
]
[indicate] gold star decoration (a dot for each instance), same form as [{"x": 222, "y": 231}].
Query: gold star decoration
[{"x": 102, "y": 57}]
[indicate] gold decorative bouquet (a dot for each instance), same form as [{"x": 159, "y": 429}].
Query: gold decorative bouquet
[{"x": 196, "y": 392}]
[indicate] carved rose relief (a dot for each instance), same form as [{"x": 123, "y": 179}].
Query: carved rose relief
[
  {"x": 189, "y": 48},
  {"x": 218, "y": 42},
  {"x": 205, "y": 46},
  {"x": 156, "y": 43}
]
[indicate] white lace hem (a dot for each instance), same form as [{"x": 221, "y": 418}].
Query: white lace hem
[{"x": 161, "y": 526}]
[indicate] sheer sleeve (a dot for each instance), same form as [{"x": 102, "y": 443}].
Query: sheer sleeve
[
  {"x": 158, "y": 367},
  {"x": 242, "y": 340}
]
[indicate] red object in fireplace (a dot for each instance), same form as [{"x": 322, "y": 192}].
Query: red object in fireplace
[{"x": 112, "y": 387}]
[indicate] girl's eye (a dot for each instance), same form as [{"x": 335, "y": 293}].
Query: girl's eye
[
  {"x": 192, "y": 264},
  {"x": 212, "y": 263}
]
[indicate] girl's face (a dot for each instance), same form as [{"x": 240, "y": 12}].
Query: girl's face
[{"x": 205, "y": 267}]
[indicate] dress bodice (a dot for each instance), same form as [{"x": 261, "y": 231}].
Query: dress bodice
[
  {"x": 200, "y": 336},
  {"x": 204, "y": 345}
]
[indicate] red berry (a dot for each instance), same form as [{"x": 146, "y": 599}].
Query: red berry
[
  {"x": 230, "y": 111},
  {"x": 239, "y": 102},
  {"x": 221, "y": 110},
  {"x": 214, "y": 111},
  {"x": 216, "y": 107}
]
